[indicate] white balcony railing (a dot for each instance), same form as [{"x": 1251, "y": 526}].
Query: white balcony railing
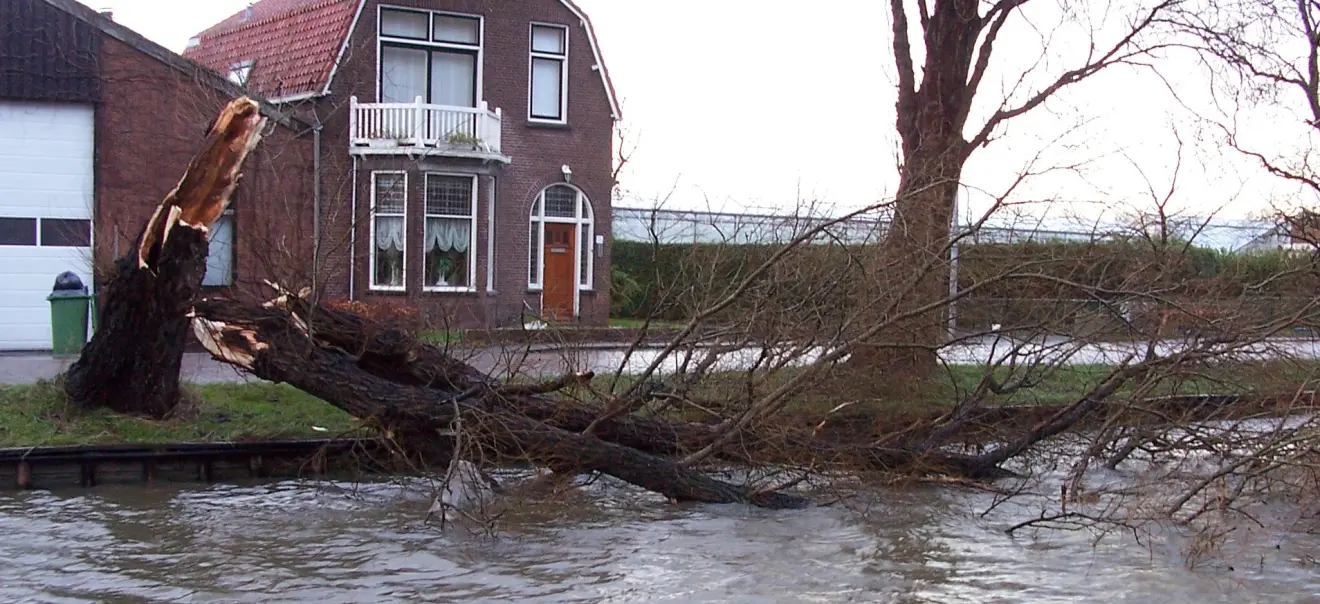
[{"x": 381, "y": 127}]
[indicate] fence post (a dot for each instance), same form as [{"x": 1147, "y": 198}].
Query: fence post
[
  {"x": 419, "y": 121},
  {"x": 352, "y": 120}
]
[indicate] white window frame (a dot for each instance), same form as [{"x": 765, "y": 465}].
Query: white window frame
[
  {"x": 472, "y": 234},
  {"x": 429, "y": 44},
  {"x": 371, "y": 260},
  {"x": 584, "y": 232},
  {"x": 241, "y": 71},
  {"x": 231, "y": 272},
  {"x": 532, "y": 55}
]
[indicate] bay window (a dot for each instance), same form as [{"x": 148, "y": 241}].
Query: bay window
[
  {"x": 389, "y": 223},
  {"x": 548, "y": 73},
  {"x": 449, "y": 240}
]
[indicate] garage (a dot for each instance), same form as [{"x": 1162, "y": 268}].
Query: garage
[{"x": 46, "y": 208}]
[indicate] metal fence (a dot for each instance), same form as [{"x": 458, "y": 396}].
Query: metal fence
[{"x": 692, "y": 226}]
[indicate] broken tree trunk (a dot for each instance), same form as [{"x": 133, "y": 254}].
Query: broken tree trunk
[
  {"x": 131, "y": 365},
  {"x": 281, "y": 349}
]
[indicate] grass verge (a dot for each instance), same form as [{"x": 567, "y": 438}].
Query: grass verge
[{"x": 39, "y": 415}]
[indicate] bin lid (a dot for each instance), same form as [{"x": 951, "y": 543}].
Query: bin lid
[{"x": 69, "y": 281}]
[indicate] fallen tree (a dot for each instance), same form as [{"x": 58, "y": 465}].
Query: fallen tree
[
  {"x": 131, "y": 364},
  {"x": 412, "y": 389},
  {"x": 280, "y": 346}
]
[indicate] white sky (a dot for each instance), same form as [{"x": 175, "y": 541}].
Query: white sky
[{"x": 759, "y": 103}]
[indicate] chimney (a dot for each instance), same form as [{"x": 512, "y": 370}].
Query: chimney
[{"x": 107, "y": 13}]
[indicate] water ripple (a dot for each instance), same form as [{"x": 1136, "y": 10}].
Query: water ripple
[{"x": 316, "y": 542}]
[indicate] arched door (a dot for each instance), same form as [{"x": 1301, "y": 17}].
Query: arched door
[{"x": 560, "y": 259}]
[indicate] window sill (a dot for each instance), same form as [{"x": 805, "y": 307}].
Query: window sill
[
  {"x": 449, "y": 290},
  {"x": 386, "y": 290},
  {"x": 547, "y": 124},
  {"x": 534, "y": 289}
]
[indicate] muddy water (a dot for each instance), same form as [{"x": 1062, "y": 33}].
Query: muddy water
[{"x": 319, "y": 542}]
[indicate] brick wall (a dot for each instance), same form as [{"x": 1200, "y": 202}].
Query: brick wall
[
  {"x": 151, "y": 120},
  {"x": 538, "y": 151}
]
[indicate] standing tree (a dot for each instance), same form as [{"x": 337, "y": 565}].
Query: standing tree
[{"x": 958, "y": 42}]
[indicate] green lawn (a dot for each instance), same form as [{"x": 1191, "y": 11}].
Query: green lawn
[
  {"x": 448, "y": 336},
  {"x": 38, "y": 415}
]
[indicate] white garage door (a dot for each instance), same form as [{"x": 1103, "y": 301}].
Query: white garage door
[{"x": 45, "y": 213}]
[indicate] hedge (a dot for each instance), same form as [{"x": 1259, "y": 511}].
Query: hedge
[{"x": 672, "y": 280}]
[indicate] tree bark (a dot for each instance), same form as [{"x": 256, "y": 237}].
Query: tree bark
[
  {"x": 131, "y": 364},
  {"x": 930, "y": 120}
]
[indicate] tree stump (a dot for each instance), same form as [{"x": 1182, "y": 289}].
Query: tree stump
[{"x": 131, "y": 364}]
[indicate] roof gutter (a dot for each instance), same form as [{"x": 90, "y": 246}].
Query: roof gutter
[{"x": 293, "y": 98}]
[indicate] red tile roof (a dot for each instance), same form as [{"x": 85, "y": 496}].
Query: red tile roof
[{"x": 294, "y": 45}]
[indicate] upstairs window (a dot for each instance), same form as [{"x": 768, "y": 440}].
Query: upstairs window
[
  {"x": 548, "y": 73},
  {"x": 434, "y": 56}
]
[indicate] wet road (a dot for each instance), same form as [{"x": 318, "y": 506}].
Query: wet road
[{"x": 201, "y": 368}]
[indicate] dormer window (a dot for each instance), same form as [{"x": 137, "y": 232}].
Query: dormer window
[
  {"x": 429, "y": 55},
  {"x": 239, "y": 72}
]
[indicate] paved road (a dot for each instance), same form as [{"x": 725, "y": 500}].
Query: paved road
[{"x": 201, "y": 368}]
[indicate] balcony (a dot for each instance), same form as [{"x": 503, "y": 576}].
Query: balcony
[{"x": 420, "y": 128}]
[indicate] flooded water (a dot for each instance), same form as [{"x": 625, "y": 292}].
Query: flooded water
[{"x": 327, "y": 542}]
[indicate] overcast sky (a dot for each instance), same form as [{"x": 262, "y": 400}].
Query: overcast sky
[{"x": 753, "y": 107}]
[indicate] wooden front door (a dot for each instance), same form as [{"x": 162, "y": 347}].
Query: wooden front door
[{"x": 560, "y": 256}]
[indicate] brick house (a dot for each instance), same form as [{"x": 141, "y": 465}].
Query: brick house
[
  {"x": 466, "y": 152},
  {"x": 97, "y": 124}
]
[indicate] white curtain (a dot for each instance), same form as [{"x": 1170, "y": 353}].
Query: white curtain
[
  {"x": 220, "y": 253},
  {"x": 389, "y": 233},
  {"x": 402, "y": 74},
  {"x": 453, "y": 79},
  {"x": 546, "y": 88},
  {"x": 448, "y": 234}
]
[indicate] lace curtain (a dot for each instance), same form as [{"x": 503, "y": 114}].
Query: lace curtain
[
  {"x": 389, "y": 233},
  {"x": 448, "y": 234}
]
